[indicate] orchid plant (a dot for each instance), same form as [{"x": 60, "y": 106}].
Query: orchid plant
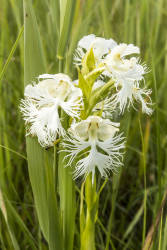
[{"x": 110, "y": 80}]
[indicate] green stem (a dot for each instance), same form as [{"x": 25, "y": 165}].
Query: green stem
[
  {"x": 88, "y": 235},
  {"x": 67, "y": 195},
  {"x": 60, "y": 65}
]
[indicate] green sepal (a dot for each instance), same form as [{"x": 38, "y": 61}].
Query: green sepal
[
  {"x": 88, "y": 62},
  {"x": 85, "y": 87}
]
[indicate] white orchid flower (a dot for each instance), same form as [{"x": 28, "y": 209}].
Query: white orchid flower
[
  {"x": 101, "y": 47},
  {"x": 42, "y": 102},
  {"x": 127, "y": 74},
  {"x": 96, "y": 141},
  {"x": 130, "y": 92},
  {"x": 119, "y": 67}
]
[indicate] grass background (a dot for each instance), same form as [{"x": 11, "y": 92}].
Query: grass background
[{"x": 134, "y": 199}]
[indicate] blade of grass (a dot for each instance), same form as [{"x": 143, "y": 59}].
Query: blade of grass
[
  {"x": 46, "y": 205},
  {"x": 16, "y": 218},
  {"x": 164, "y": 247},
  {"x": 11, "y": 54},
  {"x": 9, "y": 226},
  {"x": 145, "y": 183},
  {"x": 66, "y": 14},
  {"x": 151, "y": 233},
  {"x": 134, "y": 221}
]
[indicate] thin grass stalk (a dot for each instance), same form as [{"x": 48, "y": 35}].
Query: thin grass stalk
[
  {"x": 160, "y": 232},
  {"x": 15, "y": 217},
  {"x": 164, "y": 244},
  {"x": 11, "y": 54},
  {"x": 105, "y": 14},
  {"x": 115, "y": 186},
  {"x": 8, "y": 224},
  {"x": 145, "y": 183},
  {"x": 158, "y": 139},
  {"x": 16, "y": 8}
]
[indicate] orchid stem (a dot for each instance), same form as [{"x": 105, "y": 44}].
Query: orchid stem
[{"x": 88, "y": 235}]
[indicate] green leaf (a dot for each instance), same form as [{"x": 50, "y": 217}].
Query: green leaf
[
  {"x": 66, "y": 15},
  {"x": 55, "y": 15},
  {"x": 34, "y": 63},
  {"x": 67, "y": 195},
  {"x": 33, "y": 66},
  {"x": 36, "y": 167},
  {"x": 39, "y": 161},
  {"x": 93, "y": 75}
]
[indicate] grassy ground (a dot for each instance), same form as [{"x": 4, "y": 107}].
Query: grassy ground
[{"x": 132, "y": 207}]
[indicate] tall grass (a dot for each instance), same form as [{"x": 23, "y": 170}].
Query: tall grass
[{"x": 43, "y": 210}]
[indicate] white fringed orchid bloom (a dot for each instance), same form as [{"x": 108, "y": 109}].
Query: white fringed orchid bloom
[
  {"x": 101, "y": 47},
  {"x": 127, "y": 74},
  {"x": 130, "y": 92},
  {"x": 94, "y": 139},
  {"x": 119, "y": 67},
  {"x": 42, "y": 102}
]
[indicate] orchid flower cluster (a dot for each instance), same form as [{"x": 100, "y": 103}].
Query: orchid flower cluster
[{"x": 110, "y": 80}]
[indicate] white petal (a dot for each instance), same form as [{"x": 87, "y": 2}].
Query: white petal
[
  {"x": 71, "y": 108},
  {"x": 80, "y": 129},
  {"x": 143, "y": 96},
  {"x": 102, "y": 46},
  {"x": 130, "y": 49},
  {"x": 107, "y": 129},
  {"x": 58, "y": 77},
  {"x": 86, "y": 41},
  {"x": 32, "y": 91},
  {"x": 76, "y": 93}
]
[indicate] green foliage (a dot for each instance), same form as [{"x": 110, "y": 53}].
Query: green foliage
[{"x": 128, "y": 205}]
